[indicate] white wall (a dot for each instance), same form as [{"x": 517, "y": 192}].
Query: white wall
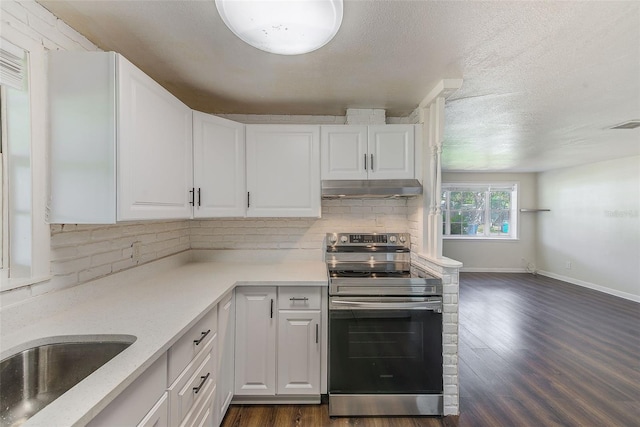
[
  {"x": 594, "y": 224},
  {"x": 502, "y": 255}
]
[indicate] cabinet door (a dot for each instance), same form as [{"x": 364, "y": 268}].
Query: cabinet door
[
  {"x": 343, "y": 151},
  {"x": 138, "y": 400},
  {"x": 283, "y": 170},
  {"x": 153, "y": 149},
  {"x": 158, "y": 415},
  {"x": 299, "y": 352},
  {"x": 255, "y": 369},
  {"x": 218, "y": 167},
  {"x": 391, "y": 152},
  {"x": 226, "y": 332}
]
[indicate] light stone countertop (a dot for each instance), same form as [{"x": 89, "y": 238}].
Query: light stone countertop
[{"x": 156, "y": 303}]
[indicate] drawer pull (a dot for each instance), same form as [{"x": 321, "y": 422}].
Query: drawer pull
[
  {"x": 298, "y": 299},
  {"x": 204, "y": 335},
  {"x": 204, "y": 380}
]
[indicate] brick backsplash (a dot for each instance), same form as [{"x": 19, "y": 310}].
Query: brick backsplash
[
  {"x": 80, "y": 253},
  {"x": 347, "y": 215}
]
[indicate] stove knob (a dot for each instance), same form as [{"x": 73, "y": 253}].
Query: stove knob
[
  {"x": 333, "y": 239},
  {"x": 403, "y": 239},
  {"x": 392, "y": 239},
  {"x": 343, "y": 239}
]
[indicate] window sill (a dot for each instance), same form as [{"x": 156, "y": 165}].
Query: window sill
[
  {"x": 483, "y": 238},
  {"x": 7, "y": 284}
]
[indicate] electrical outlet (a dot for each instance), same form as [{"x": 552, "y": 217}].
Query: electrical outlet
[
  {"x": 567, "y": 265},
  {"x": 135, "y": 251}
]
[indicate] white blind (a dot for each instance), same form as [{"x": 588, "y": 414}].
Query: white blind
[{"x": 12, "y": 65}]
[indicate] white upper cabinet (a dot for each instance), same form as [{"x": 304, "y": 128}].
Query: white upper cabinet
[
  {"x": 391, "y": 152},
  {"x": 368, "y": 152},
  {"x": 283, "y": 170},
  {"x": 218, "y": 167},
  {"x": 344, "y": 152},
  {"x": 120, "y": 143},
  {"x": 154, "y": 149}
]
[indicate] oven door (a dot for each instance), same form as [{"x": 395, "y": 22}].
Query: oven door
[{"x": 385, "y": 345}]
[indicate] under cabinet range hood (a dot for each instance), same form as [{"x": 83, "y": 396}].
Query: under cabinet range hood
[{"x": 375, "y": 188}]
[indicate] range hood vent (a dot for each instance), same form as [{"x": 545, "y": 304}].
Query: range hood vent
[{"x": 365, "y": 189}]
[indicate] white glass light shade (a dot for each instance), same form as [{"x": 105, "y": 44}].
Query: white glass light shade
[{"x": 286, "y": 27}]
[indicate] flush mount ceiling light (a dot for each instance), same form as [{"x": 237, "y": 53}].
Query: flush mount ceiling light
[{"x": 285, "y": 27}]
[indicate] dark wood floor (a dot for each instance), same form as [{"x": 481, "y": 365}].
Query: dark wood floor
[{"x": 534, "y": 351}]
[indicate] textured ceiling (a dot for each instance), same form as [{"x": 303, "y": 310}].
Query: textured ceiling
[{"x": 542, "y": 80}]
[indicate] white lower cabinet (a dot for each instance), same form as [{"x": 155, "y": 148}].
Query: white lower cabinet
[
  {"x": 143, "y": 403},
  {"x": 277, "y": 351},
  {"x": 298, "y": 352},
  {"x": 192, "y": 368},
  {"x": 226, "y": 354},
  {"x": 256, "y": 313},
  {"x": 158, "y": 416}
]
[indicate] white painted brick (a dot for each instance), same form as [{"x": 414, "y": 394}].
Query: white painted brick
[
  {"x": 63, "y": 253},
  {"x": 51, "y": 33},
  {"x": 72, "y": 238},
  {"x": 37, "y": 10},
  {"x": 19, "y": 32},
  {"x": 450, "y": 389},
  {"x": 71, "y": 266},
  {"x": 122, "y": 265},
  {"x": 15, "y": 9},
  {"x": 93, "y": 273},
  {"x": 106, "y": 258},
  {"x": 72, "y": 34}
]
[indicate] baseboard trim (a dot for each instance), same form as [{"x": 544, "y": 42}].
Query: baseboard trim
[
  {"x": 492, "y": 270},
  {"x": 603, "y": 289}
]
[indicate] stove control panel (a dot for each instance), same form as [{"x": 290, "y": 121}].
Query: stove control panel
[{"x": 368, "y": 239}]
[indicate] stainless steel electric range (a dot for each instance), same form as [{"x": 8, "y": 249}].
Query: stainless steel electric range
[{"x": 385, "y": 328}]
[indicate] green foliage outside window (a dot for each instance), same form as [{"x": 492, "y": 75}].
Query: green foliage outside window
[{"x": 476, "y": 211}]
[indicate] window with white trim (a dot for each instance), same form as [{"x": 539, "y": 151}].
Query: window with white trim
[
  {"x": 479, "y": 210},
  {"x": 15, "y": 156}
]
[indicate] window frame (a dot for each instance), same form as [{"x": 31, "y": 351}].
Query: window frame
[
  {"x": 36, "y": 78},
  {"x": 487, "y": 188}
]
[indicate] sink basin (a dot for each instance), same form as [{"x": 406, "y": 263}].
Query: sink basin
[{"x": 35, "y": 377}]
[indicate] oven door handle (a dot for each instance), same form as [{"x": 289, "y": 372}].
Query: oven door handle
[{"x": 420, "y": 305}]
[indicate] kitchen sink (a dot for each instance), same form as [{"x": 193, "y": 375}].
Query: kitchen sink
[{"x": 35, "y": 377}]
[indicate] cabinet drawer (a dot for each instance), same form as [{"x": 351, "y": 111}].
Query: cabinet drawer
[
  {"x": 191, "y": 343},
  {"x": 158, "y": 416},
  {"x": 133, "y": 405},
  {"x": 201, "y": 414},
  {"x": 298, "y": 297},
  {"x": 199, "y": 374}
]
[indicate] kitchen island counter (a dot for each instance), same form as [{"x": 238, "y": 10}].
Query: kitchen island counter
[{"x": 156, "y": 303}]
